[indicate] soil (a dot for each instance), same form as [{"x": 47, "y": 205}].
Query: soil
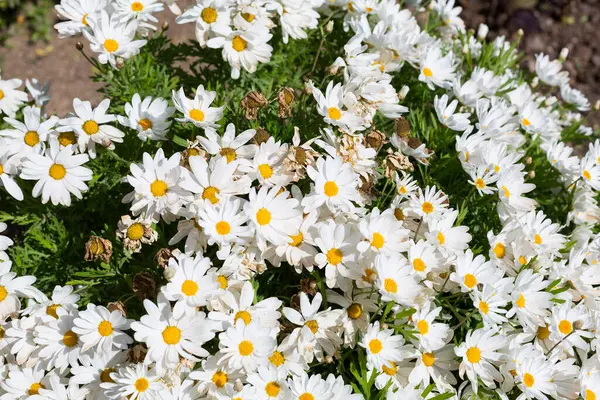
[{"x": 549, "y": 25}]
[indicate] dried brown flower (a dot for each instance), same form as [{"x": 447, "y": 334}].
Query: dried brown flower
[
  {"x": 98, "y": 248},
  {"x": 144, "y": 286},
  {"x": 308, "y": 286},
  {"x": 395, "y": 161},
  {"x": 261, "y": 136},
  {"x": 376, "y": 139},
  {"x": 117, "y": 306},
  {"x": 286, "y": 98},
  {"x": 163, "y": 256},
  {"x": 252, "y": 104}
]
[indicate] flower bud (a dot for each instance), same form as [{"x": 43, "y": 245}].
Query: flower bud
[
  {"x": 403, "y": 92},
  {"x": 79, "y": 46},
  {"x": 482, "y": 31},
  {"x": 564, "y": 53},
  {"x": 531, "y": 174},
  {"x": 329, "y": 27},
  {"x": 535, "y": 82}
]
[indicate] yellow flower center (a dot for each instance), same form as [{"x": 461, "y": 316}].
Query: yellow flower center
[
  {"x": 520, "y": 301},
  {"x": 423, "y": 327},
  {"x": 391, "y": 371},
  {"x": 211, "y": 193},
  {"x": 245, "y": 348},
  {"x": 244, "y": 316},
  {"x": 441, "y": 238},
  {"x": 528, "y": 380},
  {"x": 158, "y": 188},
  {"x": 272, "y": 389},
  {"x": 263, "y": 217},
  {"x": 565, "y": 327},
  {"x": 189, "y": 287},
  {"x": 197, "y": 115},
  {"x": 297, "y": 239},
  {"x": 334, "y": 113},
  {"x": 537, "y": 239},
  {"x": 506, "y": 191},
  {"x": 105, "y": 328},
  {"x": 331, "y": 189},
  {"x": 239, "y": 44},
  {"x": 3, "y": 293},
  {"x": 470, "y": 281},
  {"x": 229, "y": 154},
  {"x": 277, "y": 359},
  {"x": 522, "y": 260},
  {"x": 84, "y": 19},
  {"x": 419, "y": 265},
  {"x": 589, "y": 395},
  {"x": 586, "y": 174},
  {"x": 526, "y": 122},
  {"x": 334, "y": 256},
  {"x": 399, "y": 214},
  {"x": 474, "y": 355},
  {"x": 543, "y": 333},
  {"x": 479, "y": 183},
  {"x": 428, "y": 359},
  {"x": 141, "y": 384},
  {"x": 484, "y": 307},
  {"x": 31, "y": 138},
  {"x": 90, "y": 127},
  {"x": 222, "y": 281},
  {"x": 223, "y": 228},
  {"x": 209, "y": 15},
  {"x": 248, "y": 17},
  {"x": 135, "y": 231},
  {"x": 499, "y": 250},
  {"x": 390, "y": 285},
  {"x": 111, "y": 45},
  {"x": 70, "y": 339},
  {"x": 51, "y": 310},
  {"x": 57, "y": 171},
  {"x": 1, "y": 94},
  {"x": 375, "y": 346},
  {"x": 427, "y": 207},
  {"x": 145, "y": 124},
  {"x": 220, "y": 378},
  {"x": 265, "y": 171},
  {"x": 171, "y": 335},
  {"x": 313, "y": 325},
  {"x": 306, "y": 396},
  {"x": 35, "y": 388},
  {"x": 378, "y": 241},
  {"x": 355, "y": 311},
  {"x": 136, "y": 6},
  {"x": 427, "y": 72},
  {"x": 1, "y": 169},
  {"x": 67, "y": 138}
]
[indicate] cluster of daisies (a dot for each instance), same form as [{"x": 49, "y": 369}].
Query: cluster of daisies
[
  {"x": 385, "y": 277},
  {"x": 240, "y": 28}
]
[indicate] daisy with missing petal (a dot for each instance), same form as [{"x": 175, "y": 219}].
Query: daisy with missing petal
[
  {"x": 27, "y": 137},
  {"x": 382, "y": 233},
  {"x": 111, "y": 38},
  {"x": 135, "y": 232},
  {"x": 8, "y": 170},
  {"x": 472, "y": 271},
  {"x": 383, "y": 347},
  {"x": 103, "y": 329},
  {"x": 91, "y": 126},
  {"x": 229, "y": 145},
  {"x": 157, "y": 187},
  {"x": 242, "y": 48},
  {"x": 430, "y": 335},
  {"x": 150, "y": 117},
  {"x": 11, "y": 99},
  {"x": 274, "y": 214},
  {"x": 171, "y": 333},
  {"x": 96, "y": 370},
  {"x": 135, "y": 382},
  {"x": 62, "y": 301},
  {"x": 198, "y": 110},
  {"x": 335, "y": 185},
  {"x": 244, "y": 347},
  {"x": 59, "y": 174},
  {"x": 225, "y": 224},
  {"x": 214, "y": 181},
  {"x": 76, "y": 14},
  {"x": 207, "y": 14},
  {"x": 270, "y": 383},
  {"x": 192, "y": 284},
  {"x": 424, "y": 258},
  {"x": 212, "y": 378},
  {"x": 336, "y": 107},
  {"x": 431, "y": 204},
  {"x": 437, "y": 69},
  {"x": 397, "y": 282},
  {"x": 268, "y": 164},
  {"x": 358, "y": 307},
  {"x": 140, "y": 10},
  {"x": 480, "y": 355}
]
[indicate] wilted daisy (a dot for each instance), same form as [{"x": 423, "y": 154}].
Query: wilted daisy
[
  {"x": 59, "y": 173},
  {"x": 91, "y": 126},
  {"x": 135, "y": 232},
  {"x": 150, "y": 117},
  {"x": 198, "y": 110},
  {"x": 111, "y": 37}
]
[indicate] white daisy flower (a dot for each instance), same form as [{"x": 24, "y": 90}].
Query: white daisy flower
[
  {"x": 111, "y": 37},
  {"x": 91, "y": 126},
  {"x": 26, "y": 382},
  {"x": 5, "y": 242},
  {"x": 13, "y": 287},
  {"x": 76, "y": 14},
  {"x": 157, "y": 187},
  {"x": 96, "y": 370},
  {"x": 214, "y": 379},
  {"x": 437, "y": 69},
  {"x": 311, "y": 387},
  {"x": 268, "y": 164},
  {"x": 479, "y": 354},
  {"x": 397, "y": 282},
  {"x": 27, "y": 137},
  {"x": 198, "y": 110},
  {"x": 139, "y": 10},
  {"x": 171, "y": 333},
  {"x": 62, "y": 301},
  {"x": 59, "y": 174},
  {"x": 383, "y": 347},
  {"x": 337, "y": 245},
  {"x": 11, "y": 99},
  {"x": 229, "y": 145},
  {"x": 429, "y": 205},
  {"x": 9, "y": 168},
  {"x": 430, "y": 335},
  {"x": 60, "y": 347},
  {"x": 102, "y": 329},
  {"x": 207, "y": 14},
  {"x": 150, "y": 117},
  {"x": 472, "y": 271},
  {"x": 244, "y": 347},
  {"x": 270, "y": 383},
  {"x": 337, "y": 108},
  {"x": 136, "y": 382}
]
